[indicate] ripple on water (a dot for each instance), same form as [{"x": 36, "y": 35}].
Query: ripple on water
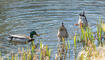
[{"x": 45, "y": 17}]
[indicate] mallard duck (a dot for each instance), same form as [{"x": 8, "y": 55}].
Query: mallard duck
[
  {"x": 62, "y": 32},
  {"x": 23, "y": 38},
  {"x": 82, "y": 20}
]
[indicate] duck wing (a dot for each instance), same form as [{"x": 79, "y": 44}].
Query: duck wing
[
  {"x": 62, "y": 32},
  {"x": 21, "y": 36}
]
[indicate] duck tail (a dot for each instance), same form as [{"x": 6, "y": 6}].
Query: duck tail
[{"x": 11, "y": 38}]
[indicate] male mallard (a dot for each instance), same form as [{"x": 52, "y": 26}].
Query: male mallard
[
  {"x": 62, "y": 32},
  {"x": 23, "y": 38},
  {"x": 82, "y": 20}
]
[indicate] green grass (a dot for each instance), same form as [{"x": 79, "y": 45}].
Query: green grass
[
  {"x": 89, "y": 49},
  {"x": 86, "y": 38},
  {"x": 75, "y": 41}
]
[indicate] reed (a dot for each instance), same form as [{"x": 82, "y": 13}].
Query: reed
[
  {"x": 69, "y": 48},
  {"x": 90, "y": 51},
  {"x": 45, "y": 53},
  {"x": 75, "y": 41}
]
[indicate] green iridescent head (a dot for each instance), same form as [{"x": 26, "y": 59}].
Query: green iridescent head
[{"x": 32, "y": 33}]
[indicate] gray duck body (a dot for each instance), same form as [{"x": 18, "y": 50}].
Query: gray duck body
[{"x": 62, "y": 32}]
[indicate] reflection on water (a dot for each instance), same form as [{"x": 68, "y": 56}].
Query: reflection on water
[{"x": 44, "y": 16}]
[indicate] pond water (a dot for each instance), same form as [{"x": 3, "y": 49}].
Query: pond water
[{"x": 45, "y": 17}]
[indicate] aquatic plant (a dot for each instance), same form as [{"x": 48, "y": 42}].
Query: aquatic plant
[
  {"x": 43, "y": 52},
  {"x": 90, "y": 51},
  {"x": 75, "y": 41}
]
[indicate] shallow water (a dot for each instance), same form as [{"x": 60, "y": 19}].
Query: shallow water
[{"x": 45, "y": 17}]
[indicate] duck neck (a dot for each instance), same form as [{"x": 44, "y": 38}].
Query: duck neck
[
  {"x": 31, "y": 35},
  {"x": 62, "y": 24}
]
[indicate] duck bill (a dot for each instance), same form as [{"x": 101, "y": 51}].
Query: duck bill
[
  {"x": 76, "y": 24},
  {"x": 37, "y": 34}
]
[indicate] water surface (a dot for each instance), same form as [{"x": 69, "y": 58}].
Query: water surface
[{"x": 45, "y": 17}]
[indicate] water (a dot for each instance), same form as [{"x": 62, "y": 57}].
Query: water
[{"x": 45, "y": 17}]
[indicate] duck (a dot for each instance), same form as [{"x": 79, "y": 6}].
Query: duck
[
  {"x": 82, "y": 22},
  {"x": 62, "y": 32},
  {"x": 23, "y": 37}
]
